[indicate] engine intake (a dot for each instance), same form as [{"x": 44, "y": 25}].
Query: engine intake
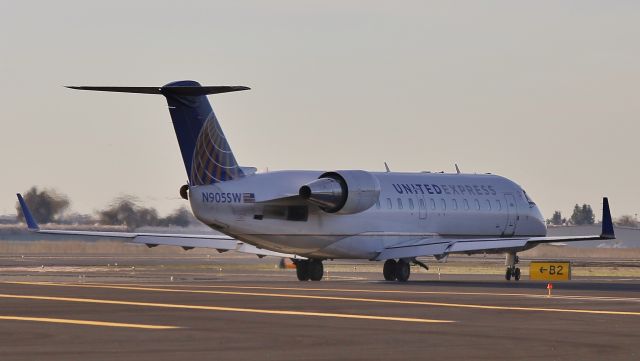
[{"x": 343, "y": 192}]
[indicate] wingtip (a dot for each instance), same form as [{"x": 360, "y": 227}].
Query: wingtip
[
  {"x": 28, "y": 217},
  {"x": 76, "y": 87},
  {"x": 607, "y": 221}
]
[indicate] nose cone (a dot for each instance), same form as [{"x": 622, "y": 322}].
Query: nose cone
[{"x": 537, "y": 222}]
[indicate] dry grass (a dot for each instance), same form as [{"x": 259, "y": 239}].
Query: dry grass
[{"x": 548, "y": 251}]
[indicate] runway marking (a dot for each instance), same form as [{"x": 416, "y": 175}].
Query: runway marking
[
  {"x": 336, "y": 298},
  {"x": 87, "y": 323},
  {"x": 448, "y": 293},
  {"x": 228, "y": 309}
]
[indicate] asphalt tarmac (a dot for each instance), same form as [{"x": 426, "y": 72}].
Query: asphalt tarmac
[{"x": 158, "y": 309}]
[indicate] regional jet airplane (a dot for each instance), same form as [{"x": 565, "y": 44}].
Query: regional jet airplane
[{"x": 312, "y": 216}]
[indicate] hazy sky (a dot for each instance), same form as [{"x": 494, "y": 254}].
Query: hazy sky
[{"x": 546, "y": 93}]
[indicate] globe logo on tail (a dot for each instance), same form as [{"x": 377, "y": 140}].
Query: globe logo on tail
[{"x": 213, "y": 160}]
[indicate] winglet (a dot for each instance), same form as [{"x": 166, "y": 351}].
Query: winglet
[
  {"x": 607, "y": 223},
  {"x": 31, "y": 222}
]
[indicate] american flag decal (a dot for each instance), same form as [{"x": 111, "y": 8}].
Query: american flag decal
[{"x": 248, "y": 198}]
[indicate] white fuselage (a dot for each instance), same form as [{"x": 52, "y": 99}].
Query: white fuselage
[{"x": 265, "y": 210}]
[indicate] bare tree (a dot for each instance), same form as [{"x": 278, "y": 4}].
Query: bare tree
[
  {"x": 125, "y": 211},
  {"x": 46, "y": 205},
  {"x": 181, "y": 217},
  {"x": 627, "y": 221}
]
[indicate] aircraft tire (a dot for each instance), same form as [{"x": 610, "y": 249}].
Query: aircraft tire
[
  {"x": 302, "y": 270},
  {"x": 389, "y": 270},
  {"x": 516, "y": 274},
  {"x": 316, "y": 270},
  {"x": 507, "y": 275},
  {"x": 403, "y": 271}
]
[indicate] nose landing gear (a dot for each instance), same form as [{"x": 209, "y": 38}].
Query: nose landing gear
[{"x": 512, "y": 271}]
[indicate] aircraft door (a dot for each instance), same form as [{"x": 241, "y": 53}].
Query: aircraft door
[{"x": 512, "y": 215}]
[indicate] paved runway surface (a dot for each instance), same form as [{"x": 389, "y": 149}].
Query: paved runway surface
[{"x": 72, "y": 310}]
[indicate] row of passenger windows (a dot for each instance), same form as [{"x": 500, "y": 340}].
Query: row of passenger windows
[{"x": 442, "y": 204}]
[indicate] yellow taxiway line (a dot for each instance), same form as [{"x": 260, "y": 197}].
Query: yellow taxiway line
[
  {"x": 351, "y": 290},
  {"x": 337, "y": 298},
  {"x": 86, "y": 322},
  {"x": 228, "y": 309}
]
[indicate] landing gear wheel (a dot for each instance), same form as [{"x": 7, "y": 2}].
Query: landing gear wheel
[
  {"x": 302, "y": 270},
  {"x": 316, "y": 270},
  {"x": 389, "y": 270},
  {"x": 511, "y": 261},
  {"x": 403, "y": 271}
]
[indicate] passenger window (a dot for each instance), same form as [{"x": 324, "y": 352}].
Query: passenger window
[
  {"x": 421, "y": 204},
  {"x": 443, "y": 204},
  {"x": 466, "y": 204},
  {"x": 477, "y": 202},
  {"x": 488, "y": 205},
  {"x": 531, "y": 202},
  {"x": 433, "y": 203},
  {"x": 389, "y": 203},
  {"x": 498, "y": 205},
  {"x": 410, "y": 203},
  {"x": 454, "y": 204},
  {"x": 399, "y": 203}
]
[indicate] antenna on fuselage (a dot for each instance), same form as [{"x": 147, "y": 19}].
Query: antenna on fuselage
[
  {"x": 386, "y": 166},
  {"x": 457, "y": 169}
]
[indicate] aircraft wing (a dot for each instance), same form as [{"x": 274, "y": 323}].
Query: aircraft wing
[
  {"x": 441, "y": 246},
  {"x": 221, "y": 243}
]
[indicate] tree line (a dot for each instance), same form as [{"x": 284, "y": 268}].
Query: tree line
[
  {"x": 50, "y": 206},
  {"x": 583, "y": 214}
]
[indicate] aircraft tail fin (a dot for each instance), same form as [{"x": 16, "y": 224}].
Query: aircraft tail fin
[{"x": 205, "y": 151}]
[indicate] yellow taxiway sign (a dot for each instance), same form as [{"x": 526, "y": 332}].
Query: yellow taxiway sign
[{"x": 550, "y": 271}]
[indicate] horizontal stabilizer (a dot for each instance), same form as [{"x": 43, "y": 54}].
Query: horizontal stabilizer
[{"x": 176, "y": 90}]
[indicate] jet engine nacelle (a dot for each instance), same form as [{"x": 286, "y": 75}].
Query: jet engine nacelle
[{"x": 343, "y": 192}]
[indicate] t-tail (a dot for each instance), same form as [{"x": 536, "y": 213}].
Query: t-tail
[{"x": 206, "y": 153}]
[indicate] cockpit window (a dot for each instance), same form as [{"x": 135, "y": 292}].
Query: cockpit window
[{"x": 526, "y": 196}]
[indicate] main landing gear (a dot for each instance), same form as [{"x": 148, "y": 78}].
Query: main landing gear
[
  {"x": 309, "y": 269},
  {"x": 396, "y": 270},
  {"x": 512, "y": 271}
]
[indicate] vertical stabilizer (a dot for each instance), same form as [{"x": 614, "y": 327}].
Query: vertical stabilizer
[{"x": 205, "y": 151}]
